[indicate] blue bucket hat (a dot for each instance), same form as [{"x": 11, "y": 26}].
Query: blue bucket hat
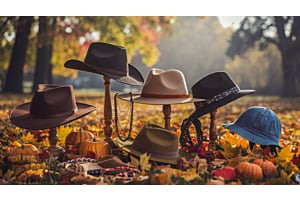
[{"x": 259, "y": 125}]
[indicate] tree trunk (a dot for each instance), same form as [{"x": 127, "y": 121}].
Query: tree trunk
[
  {"x": 289, "y": 77},
  {"x": 14, "y": 76},
  {"x": 43, "y": 68}
]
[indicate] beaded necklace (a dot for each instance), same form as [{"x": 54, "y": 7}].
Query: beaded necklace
[
  {"x": 117, "y": 118},
  {"x": 185, "y": 139}
]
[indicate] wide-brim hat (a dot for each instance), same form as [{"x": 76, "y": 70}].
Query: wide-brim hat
[
  {"x": 259, "y": 125},
  {"x": 163, "y": 87},
  {"x": 161, "y": 144},
  {"x": 108, "y": 60},
  {"x": 219, "y": 89},
  {"x": 51, "y": 106}
]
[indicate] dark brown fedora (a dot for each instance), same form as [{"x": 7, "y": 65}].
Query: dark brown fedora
[
  {"x": 50, "y": 106},
  {"x": 160, "y": 143},
  {"x": 219, "y": 89},
  {"x": 109, "y": 60}
]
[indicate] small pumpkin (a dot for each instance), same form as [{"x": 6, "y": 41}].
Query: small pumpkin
[
  {"x": 249, "y": 171},
  {"x": 267, "y": 166},
  {"x": 24, "y": 154},
  {"x": 99, "y": 147},
  {"x": 77, "y": 137}
]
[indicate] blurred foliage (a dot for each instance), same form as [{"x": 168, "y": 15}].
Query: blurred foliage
[{"x": 258, "y": 69}]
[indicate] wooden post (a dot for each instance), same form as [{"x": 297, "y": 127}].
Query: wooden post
[
  {"x": 53, "y": 148},
  {"x": 107, "y": 109},
  {"x": 167, "y": 113},
  {"x": 213, "y": 131}
]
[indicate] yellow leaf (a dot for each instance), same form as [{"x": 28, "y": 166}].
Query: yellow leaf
[
  {"x": 285, "y": 155},
  {"x": 16, "y": 143},
  {"x": 229, "y": 151},
  {"x": 29, "y": 138},
  {"x": 297, "y": 133},
  {"x": 144, "y": 161}
]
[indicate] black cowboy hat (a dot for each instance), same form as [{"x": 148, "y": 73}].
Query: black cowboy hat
[
  {"x": 109, "y": 60},
  {"x": 219, "y": 89}
]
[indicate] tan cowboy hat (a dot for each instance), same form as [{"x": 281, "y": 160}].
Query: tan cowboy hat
[
  {"x": 160, "y": 143},
  {"x": 50, "y": 106},
  {"x": 163, "y": 87},
  {"x": 109, "y": 60}
]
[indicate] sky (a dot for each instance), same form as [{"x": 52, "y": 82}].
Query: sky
[{"x": 230, "y": 21}]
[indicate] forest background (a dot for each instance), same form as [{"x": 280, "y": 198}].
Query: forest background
[{"x": 258, "y": 52}]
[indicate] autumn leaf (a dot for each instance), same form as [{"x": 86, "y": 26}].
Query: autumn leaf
[
  {"x": 284, "y": 179},
  {"x": 190, "y": 174},
  {"x": 285, "y": 155},
  {"x": 229, "y": 151},
  {"x": 144, "y": 162}
]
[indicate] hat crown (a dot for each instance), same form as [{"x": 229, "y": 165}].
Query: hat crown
[
  {"x": 212, "y": 85},
  {"x": 263, "y": 121},
  {"x": 109, "y": 56},
  {"x": 53, "y": 101},
  {"x": 157, "y": 141},
  {"x": 160, "y": 82}
]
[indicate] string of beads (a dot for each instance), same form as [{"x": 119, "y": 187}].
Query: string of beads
[
  {"x": 185, "y": 139},
  {"x": 117, "y": 118}
]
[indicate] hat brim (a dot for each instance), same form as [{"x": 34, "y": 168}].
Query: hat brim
[
  {"x": 21, "y": 117},
  {"x": 131, "y": 150},
  {"x": 111, "y": 161},
  {"x": 209, "y": 108},
  {"x": 126, "y": 146},
  {"x": 157, "y": 101},
  {"x": 249, "y": 134},
  {"x": 134, "y": 77}
]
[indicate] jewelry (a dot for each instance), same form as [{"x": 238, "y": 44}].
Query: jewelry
[{"x": 117, "y": 121}]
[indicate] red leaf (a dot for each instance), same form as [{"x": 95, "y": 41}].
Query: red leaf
[{"x": 228, "y": 173}]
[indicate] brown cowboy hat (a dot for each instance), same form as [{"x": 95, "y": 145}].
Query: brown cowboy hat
[
  {"x": 160, "y": 143},
  {"x": 109, "y": 60},
  {"x": 219, "y": 89},
  {"x": 163, "y": 87},
  {"x": 50, "y": 106}
]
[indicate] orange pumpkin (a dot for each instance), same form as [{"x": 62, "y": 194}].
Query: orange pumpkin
[
  {"x": 100, "y": 148},
  {"x": 77, "y": 137},
  {"x": 249, "y": 171},
  {"x": 268, "y": 167},
  {"x": 24, "y": 154}
]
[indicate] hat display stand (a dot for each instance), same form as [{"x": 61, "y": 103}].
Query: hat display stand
[
  {"x": 212, "y": 128},
  {"x": 213, "y": 131},
  {"x": 53, "y": 149},
  {"x": 107, "y": 110},
  {"x": 167, "y": 115}
]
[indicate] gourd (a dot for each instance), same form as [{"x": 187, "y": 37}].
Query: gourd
[
  {"x": 77, "y": 137},
  {"x": 99, "y": 147},
  {"x": 24, "y": 154},
  {"x": 249, "y": 171},
  {"x": 268, "y": 167}
]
